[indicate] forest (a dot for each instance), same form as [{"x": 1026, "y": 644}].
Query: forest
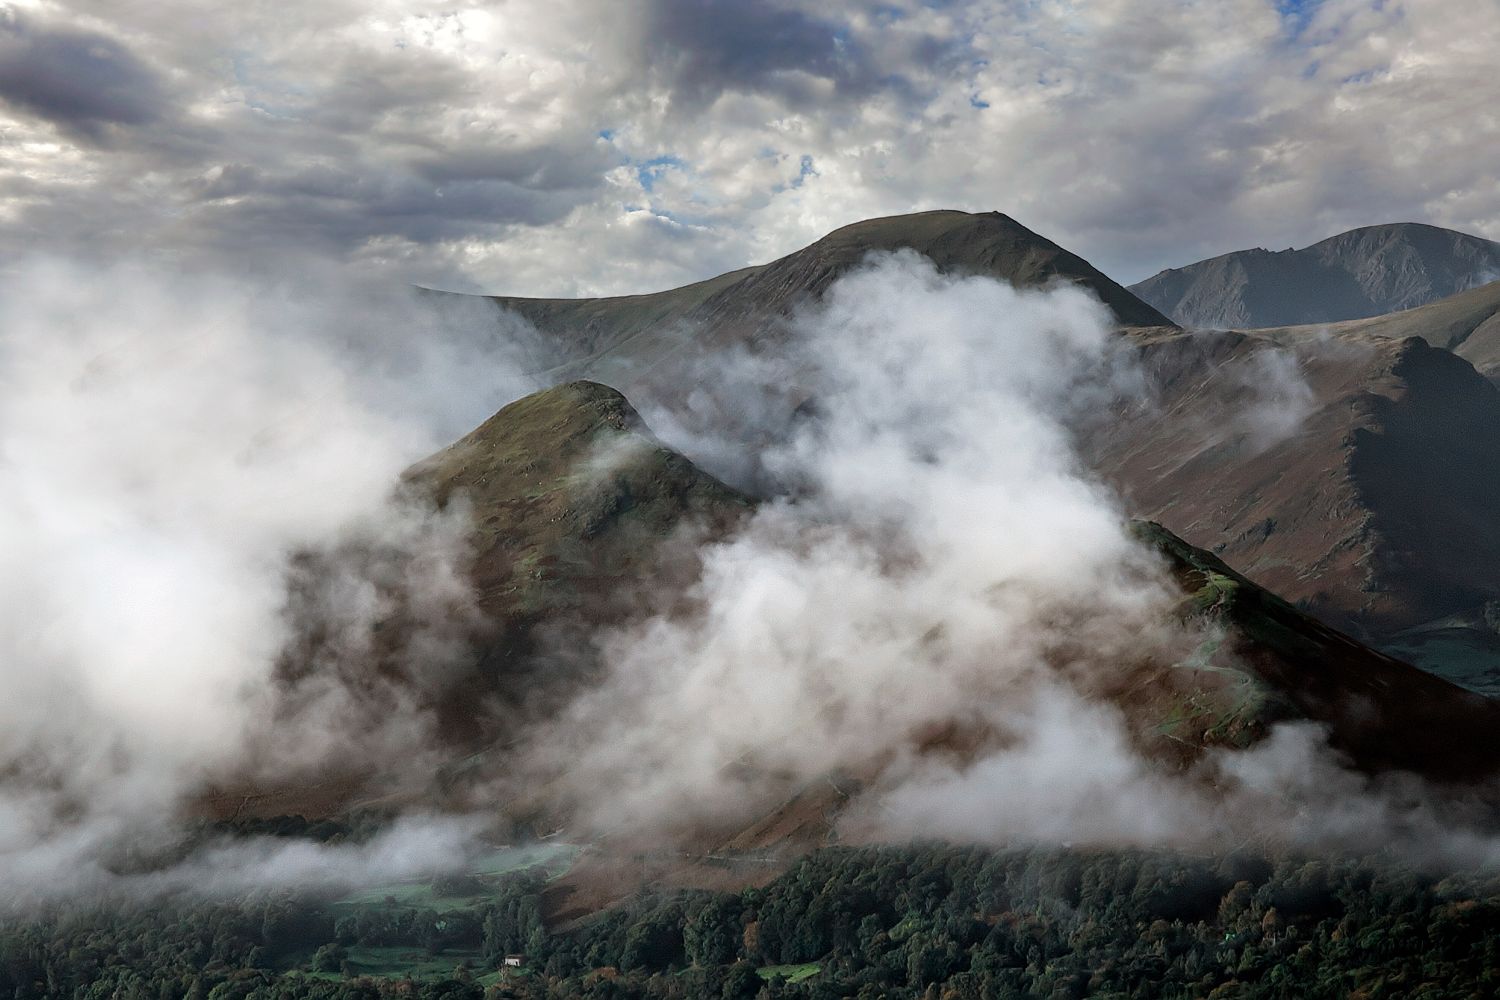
[{"x": 928, "y": 921}]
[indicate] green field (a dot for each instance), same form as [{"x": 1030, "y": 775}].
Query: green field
[
  {"x": 400, "y": 962},
  {"x": 791, "y": 973},
  {"x": 453, "y": 894}
]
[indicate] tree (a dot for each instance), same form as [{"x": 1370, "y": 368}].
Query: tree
[
  {"x": 329, "y": 958},
  {"x": 741, "y": 983}
]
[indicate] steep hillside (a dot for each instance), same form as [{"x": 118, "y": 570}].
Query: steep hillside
[
  {"x": 1374, "y": 505},
  {"x": 571, "y": 499},
  {"x": 1361, "y": 273},
  {"x": 1384, "y": 713}
]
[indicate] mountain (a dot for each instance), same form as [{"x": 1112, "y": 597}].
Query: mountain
[
  {"x": 616, "y": 339},
  {"x": 575, "y": 507},
  {"x": 1364, "y": 272},
  {"x": 1294, "y": 453},
  {"x": 542, "y": 499}
]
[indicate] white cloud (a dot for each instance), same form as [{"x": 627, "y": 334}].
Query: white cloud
[{"x": 170, "y": 445}]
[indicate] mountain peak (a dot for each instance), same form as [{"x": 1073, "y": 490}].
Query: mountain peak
[{"x": 981, "y": 243}]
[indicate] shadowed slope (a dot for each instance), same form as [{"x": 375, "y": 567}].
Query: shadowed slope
[{"x": 1376, "y": 506}]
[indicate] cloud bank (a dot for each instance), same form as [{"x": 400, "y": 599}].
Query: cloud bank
[
  {"x": 171, "y": 445},
  {"x": 544, "y": 148}
]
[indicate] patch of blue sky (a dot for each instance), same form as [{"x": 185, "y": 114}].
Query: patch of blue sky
[
  {"x": 1296, "y": 15},
  {"x": 648, "y": 172},
  {"x": 805, "y": 169}
]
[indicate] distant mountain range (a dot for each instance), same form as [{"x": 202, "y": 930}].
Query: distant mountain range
[{"x": 1364, "y": 272}]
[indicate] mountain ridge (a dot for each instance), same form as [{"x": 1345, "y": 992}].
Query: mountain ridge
[
  {"x": 583, "y": 332},
  {"x": 1364, "y": 272}
]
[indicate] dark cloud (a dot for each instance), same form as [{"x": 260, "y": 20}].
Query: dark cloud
[
  {"x": 81, "y": 81},
  {"x": 707, "y": 47}
]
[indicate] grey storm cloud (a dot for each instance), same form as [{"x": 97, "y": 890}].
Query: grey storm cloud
[
  {"x": 78, "y": 80},
  {"x": 706, "y": 47}
]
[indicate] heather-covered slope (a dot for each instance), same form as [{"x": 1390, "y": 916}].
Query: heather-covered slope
[
  {"x": 571, "y": 498},
  {"x": 1360, "y": 273}
]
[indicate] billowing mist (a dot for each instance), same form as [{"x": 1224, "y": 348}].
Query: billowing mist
[
  {"x": 944, "y": 545},
  {"x": 170, "y": 442}
]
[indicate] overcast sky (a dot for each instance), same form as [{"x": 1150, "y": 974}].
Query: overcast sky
[{"x": 562, "y": 147}]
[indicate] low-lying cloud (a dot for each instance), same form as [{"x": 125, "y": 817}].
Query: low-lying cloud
[
  {"x": 173, "y": 446},
  {"x": 206, "y": 545},
  {"x": 948, "y": 611},
  {"x": 945, "y": 553}
]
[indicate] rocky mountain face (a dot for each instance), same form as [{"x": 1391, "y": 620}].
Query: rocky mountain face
[{"x": 1364, "y": 272}]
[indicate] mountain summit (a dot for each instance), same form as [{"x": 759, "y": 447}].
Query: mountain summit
[{"x": 1364, "y": 272}]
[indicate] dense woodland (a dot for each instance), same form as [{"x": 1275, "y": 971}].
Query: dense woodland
[{"x": 939, "y": 922}]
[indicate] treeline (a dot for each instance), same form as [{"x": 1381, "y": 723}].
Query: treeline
[{"x": 919, "y": 922}]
